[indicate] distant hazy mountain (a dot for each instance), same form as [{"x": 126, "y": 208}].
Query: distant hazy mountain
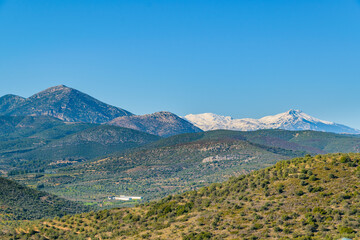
[
  {"x": 61, "y": 102},
  {"x": 290, "y": 120},
  {"x": 160, "y": 123}
]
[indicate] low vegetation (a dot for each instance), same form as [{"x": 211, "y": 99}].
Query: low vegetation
[
  {"x": 304, "y": 198},
  {"x": 169, "y": 166},
  {"x": 18, "y": 202}
]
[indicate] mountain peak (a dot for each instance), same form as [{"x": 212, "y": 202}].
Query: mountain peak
[
  {"x": 159, "y": 123},
  {"x": 52, "y": 90},
  {"x": 57, "y": 87},
  {"x": 293, "y": 111},
  {"x": 9, "y": 102},
  {"x": 162, "y": 113},
  {"x": 65, "y": 103}
]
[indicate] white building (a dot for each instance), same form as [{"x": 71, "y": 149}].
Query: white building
[{"x": 125, "y": 198}]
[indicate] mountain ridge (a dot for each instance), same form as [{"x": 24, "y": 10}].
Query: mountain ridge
[
  {"x": 161, "y": 123},
  {"x": 290, "y": 120}
]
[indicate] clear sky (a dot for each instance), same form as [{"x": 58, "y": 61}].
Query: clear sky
[{"x": 243, "y": 58}]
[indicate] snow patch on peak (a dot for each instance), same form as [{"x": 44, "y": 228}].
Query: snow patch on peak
[
  {"x": 291, "y": 116},
  {"x": 291, "y": 120}
]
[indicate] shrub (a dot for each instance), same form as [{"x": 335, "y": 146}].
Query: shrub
[
  {"x": 332, "y": 175},
  {"x": 346, "y": 230},
  {"x": 345, "y": 159},
  {"x": 300, "y": 193},
  {"x": 256, "y": 226},
  {"x": 280, "y": 188}
]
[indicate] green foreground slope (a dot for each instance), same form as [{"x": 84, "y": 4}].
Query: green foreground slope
[
  {"x": 304, "y": 198},
  {"x": 20, "y": 202}
]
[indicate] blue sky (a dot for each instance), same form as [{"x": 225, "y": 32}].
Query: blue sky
[{"x": 241, "y": 58}]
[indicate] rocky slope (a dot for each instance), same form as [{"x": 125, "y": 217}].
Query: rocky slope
[
  {"x": 160, "y": 123},
  {"x": 290, "y": 120},
  {"x": 63, "y": 103}
]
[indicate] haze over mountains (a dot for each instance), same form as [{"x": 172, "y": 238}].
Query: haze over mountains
[{"x": 291, "y": 120}]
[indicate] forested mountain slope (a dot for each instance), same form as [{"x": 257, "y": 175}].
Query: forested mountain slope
[{"x": 34, "y": 143}]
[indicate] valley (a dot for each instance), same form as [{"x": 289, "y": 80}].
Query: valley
[
  {"x": 184, "y": 162},
  {"x": 61, "y": 165}
]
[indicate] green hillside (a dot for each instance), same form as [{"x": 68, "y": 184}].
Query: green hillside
[
  {"x": 310, "y": 141},
  {"x": 184, "y": 162},
  {"x": 18, "y": 202},
  {"x": 82, "y": 146},
  {"x": 165, "y": 167},
  {"x": 14, "y": 127},
  {"x": 41, "y": 142},
  {"x": 307, "y": 141},
  {"x": 304, "y": 198}
]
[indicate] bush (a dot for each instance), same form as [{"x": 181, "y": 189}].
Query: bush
[
  {"x": 345, "y": 159},
  {"x": 300, "y": 193},
  {"x": 198, "y": 236},
  {"x": 346, "y": 230},
  {"x": 332, "y": 175}
]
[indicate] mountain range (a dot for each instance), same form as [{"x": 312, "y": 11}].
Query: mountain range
[
  {"x": 291, "y": 120},
  {"x": 71, "y": 105}
]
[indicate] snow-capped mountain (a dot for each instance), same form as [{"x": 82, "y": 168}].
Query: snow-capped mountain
[{"x": 290, "y": 120}]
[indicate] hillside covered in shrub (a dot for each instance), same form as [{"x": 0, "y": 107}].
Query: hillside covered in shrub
[
  {"x": 303, "y": 198},
  {"x": 18, "y": 202}
]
